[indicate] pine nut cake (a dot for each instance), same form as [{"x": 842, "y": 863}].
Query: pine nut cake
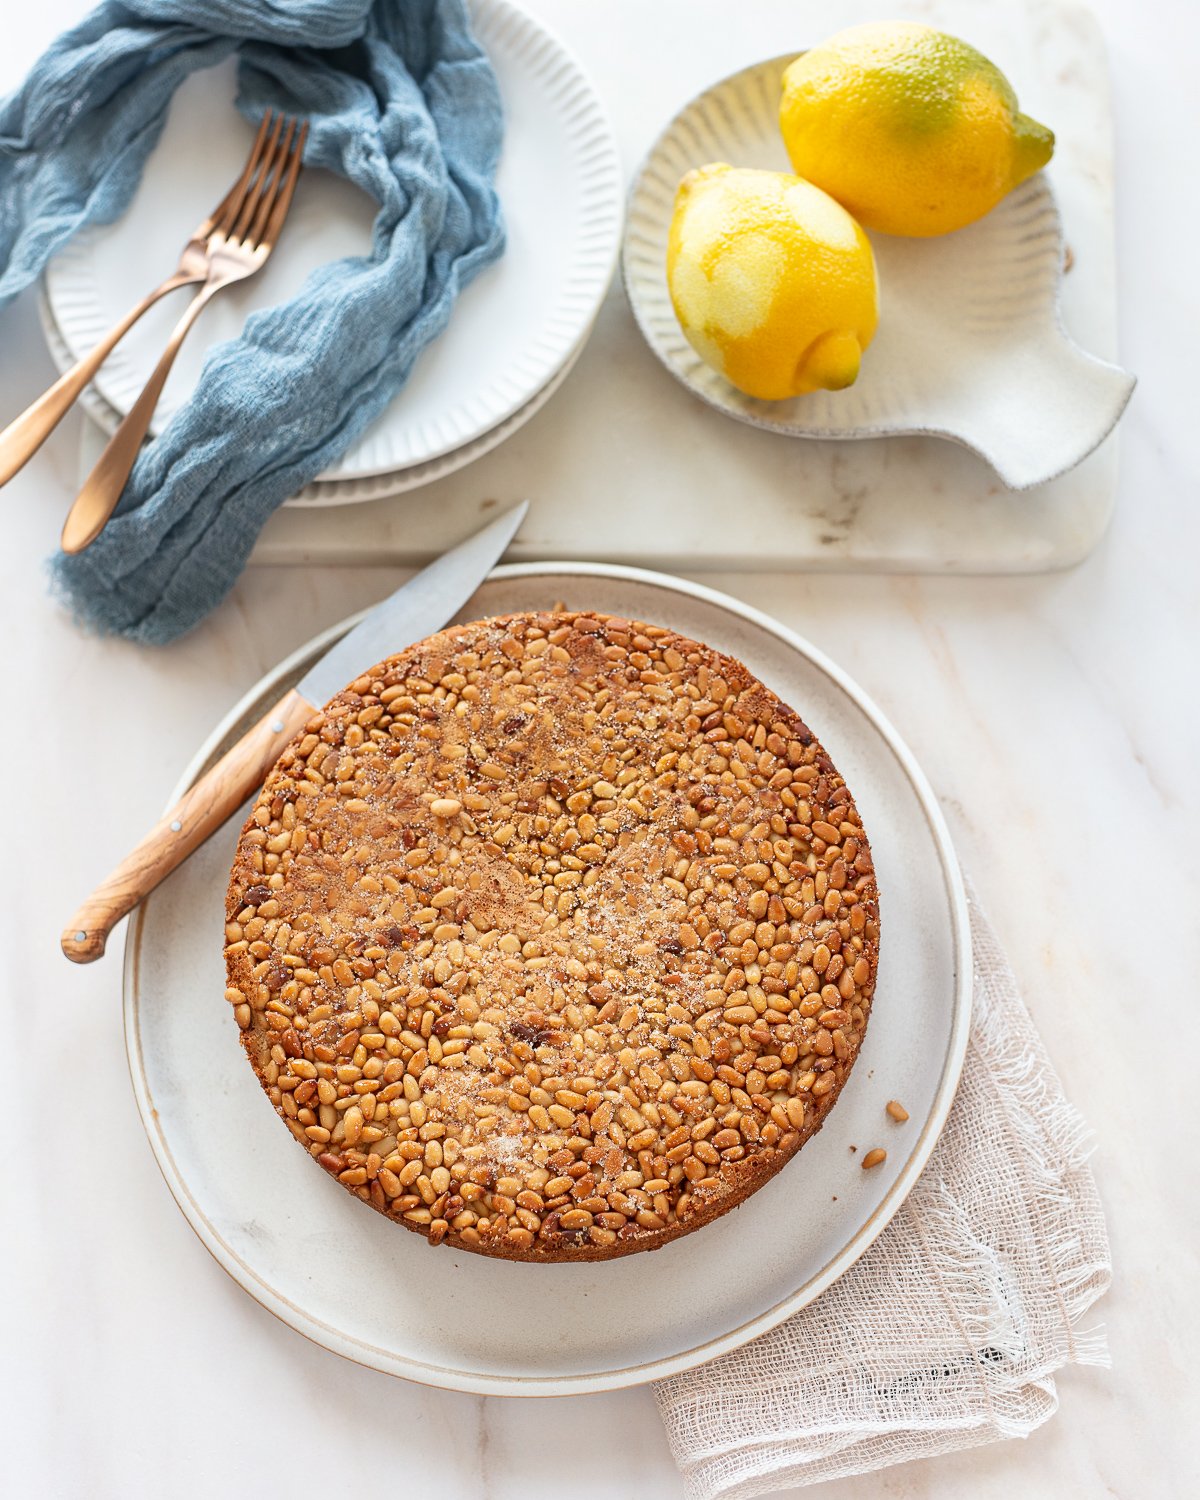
[{"x": 553, "y": 937}]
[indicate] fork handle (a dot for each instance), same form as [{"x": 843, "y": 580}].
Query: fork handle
[
  {"x": 103, "y": 487},
  {"x": 22, "y": 438}
]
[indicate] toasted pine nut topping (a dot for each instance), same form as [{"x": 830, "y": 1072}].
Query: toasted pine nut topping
[{"x": 554, "y": 936}]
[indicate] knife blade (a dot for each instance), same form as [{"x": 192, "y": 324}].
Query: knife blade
[
  {"x": 419, "y": 607},
  {"x": 426, "y": 602}
]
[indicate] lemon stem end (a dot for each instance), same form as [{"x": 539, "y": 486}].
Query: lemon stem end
[{"x": 1033, "y": 146}]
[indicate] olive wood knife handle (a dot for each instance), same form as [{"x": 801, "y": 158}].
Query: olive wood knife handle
[{"x": 197, "y": 814}]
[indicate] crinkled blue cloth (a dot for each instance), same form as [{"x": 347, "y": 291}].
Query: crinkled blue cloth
[{"x": 403, "y": 102}]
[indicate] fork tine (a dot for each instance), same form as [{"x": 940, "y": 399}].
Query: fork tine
[
  {"x": 267, "y": 201},
  {"x": 223, "y": 215},
  {"x": 283, "y": 199},
  {"x": 249, "y": 207}
]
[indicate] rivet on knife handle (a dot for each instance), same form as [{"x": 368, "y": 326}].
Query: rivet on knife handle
[{"x": 199, "y": 813}]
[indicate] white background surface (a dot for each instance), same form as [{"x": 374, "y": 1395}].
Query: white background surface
[{"x": 1055, "y": 715}]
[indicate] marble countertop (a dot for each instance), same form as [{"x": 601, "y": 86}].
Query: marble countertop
[{"x": 1055, "y": 715}]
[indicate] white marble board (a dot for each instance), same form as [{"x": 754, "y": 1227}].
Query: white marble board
[{"x": 624, "y": 465}]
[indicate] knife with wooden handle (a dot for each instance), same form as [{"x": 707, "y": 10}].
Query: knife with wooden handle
[{"x": 423, "y": 605}]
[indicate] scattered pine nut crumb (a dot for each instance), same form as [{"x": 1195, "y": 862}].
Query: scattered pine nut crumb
[
  {"x": 874, "y": 1157},
  {"x": 897, "y": 1111}
]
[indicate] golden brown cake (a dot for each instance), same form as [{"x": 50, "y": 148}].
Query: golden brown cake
[{"x": 554, "y": 936}]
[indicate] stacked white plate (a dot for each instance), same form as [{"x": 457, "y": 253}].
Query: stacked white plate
[{"x": 514, "y": 334}]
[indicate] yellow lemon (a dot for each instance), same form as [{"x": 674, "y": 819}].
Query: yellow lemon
[
  {"x": 914, "y": 131},
  {"x": 773, "y": 282}
]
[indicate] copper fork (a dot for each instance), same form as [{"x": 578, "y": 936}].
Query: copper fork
[
  {"x": 244, "y": 231},
  {"x": 22, "y": 438}
]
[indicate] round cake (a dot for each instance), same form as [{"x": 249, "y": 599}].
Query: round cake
[{"x": 554, "y": 936}]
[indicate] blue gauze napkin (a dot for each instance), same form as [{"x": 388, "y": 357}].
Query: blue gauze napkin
[{"x": 403, "y": 102}]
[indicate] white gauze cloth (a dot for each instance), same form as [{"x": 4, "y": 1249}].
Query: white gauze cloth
[{"x": 948, "y": 1331}]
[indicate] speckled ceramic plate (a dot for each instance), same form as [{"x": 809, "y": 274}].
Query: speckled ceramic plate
[
  {"x": 970, "y": 344},
  {"x": 304, "y": 1249},
  {"x": 514, "y": 328}
]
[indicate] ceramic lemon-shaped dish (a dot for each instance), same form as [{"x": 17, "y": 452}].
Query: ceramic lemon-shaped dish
[{"x": 969, "y": 344}]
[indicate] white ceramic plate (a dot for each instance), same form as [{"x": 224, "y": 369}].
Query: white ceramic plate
[
  {"x": 514, "y": 327},
  {"x": 301, "y": 1246},
  {"x": 378, "y": 486},
  {"x": 331, "y": 492},
  {"x": 970, "y": 345}
]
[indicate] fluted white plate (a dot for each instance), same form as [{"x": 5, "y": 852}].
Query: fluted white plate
[
  {"x": 970, "y": 344},
  {"x": 349, "y": 491},
  {"x": 346, "y": 1278},
  {"x": 514, "y": 328},
  {"x": 352, "y": 489}
]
